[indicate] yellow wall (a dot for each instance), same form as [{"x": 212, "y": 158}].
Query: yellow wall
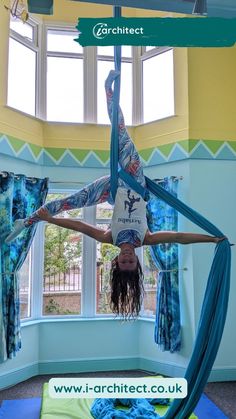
[
  {"x": 212, "y": 93},
  {"x": 69, "y": 11},
  {"x": 84, "y": 136},
  {"x": 205, "y": 92}
]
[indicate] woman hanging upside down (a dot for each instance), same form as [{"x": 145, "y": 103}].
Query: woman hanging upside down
[{"x": 129, "y": 224}]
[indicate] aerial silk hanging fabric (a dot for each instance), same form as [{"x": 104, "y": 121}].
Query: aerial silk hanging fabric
[
  {"x": 137, "y": 408},
  {"x": 215, "y": 303}
]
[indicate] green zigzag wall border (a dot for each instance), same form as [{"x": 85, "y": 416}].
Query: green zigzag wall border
[{"x": 69, "y": 157}]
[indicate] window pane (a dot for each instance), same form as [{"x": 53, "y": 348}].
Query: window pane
[
  {"x": 126, "y": 51},
  {"x": 21, "y": 77},
  {"x": 104, "y": 210},
  {"x": 125, "y": 93},
  {"x": 62, "y": 271},
  {"x": 63, "y": 41},
  {"x": 62, "y": 265},
  {"x": 149, "y": 48},
  {"x": 24, "y": 278},
  {"x": 105, "y": 254},
  {"x": 65, "y": 89},
  {"x": 24, "y": 29},
  {"x": 158, "y": 87},
  {"x": 150, "y": 283}
]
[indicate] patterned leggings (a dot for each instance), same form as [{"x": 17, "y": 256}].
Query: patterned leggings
[{"x": 99, "y": 190}]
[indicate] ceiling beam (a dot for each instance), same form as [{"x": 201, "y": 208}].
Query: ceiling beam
[
  {"x": 177, "y": 6},
  {"x": 214, "y": 8}
]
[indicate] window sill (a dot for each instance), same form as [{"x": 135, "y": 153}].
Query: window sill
[
  {"x": 154, "y": 121},
  {"x": 147, "y": 319},
  {"x": 102, "y": 125},
  {"x": 25, "y": 114},
  {"x": 32, "y": 322}
]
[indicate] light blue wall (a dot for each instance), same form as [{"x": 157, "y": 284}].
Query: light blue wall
[
  {"x": 63, "y": 346},
  {"x": 25, "y": 364},
  {"x": 10, "y": 164},
  {"x": 87, "y": 339},
  {"x": 208, "y": 187},
  {"x": 213, "y": 193},
  {"x": 57, "y": 174}
]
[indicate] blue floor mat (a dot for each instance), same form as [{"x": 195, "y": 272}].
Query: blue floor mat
[
  {"x": 21, "y": 409},
  {"x": 206, "y": 409},
  {"x": 30, "y": 409}
]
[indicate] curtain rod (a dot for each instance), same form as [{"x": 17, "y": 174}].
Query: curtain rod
[
  {"x": 17, "y": 176},
  {"x": 175, "y": 178},
  {"x": 4, "y": 173}
]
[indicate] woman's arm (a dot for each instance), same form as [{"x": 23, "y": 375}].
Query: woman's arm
[
  {"x": 77, "y": 225},
  {"x": 176, "y": 237}
]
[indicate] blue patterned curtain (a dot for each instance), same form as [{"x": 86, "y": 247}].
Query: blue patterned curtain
[
  {"x": 19, "y": 197},
  {"x": 163, "y": 217}
]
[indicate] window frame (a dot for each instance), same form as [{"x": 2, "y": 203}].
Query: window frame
[
  {"x": 100, "y": 221},
  {"x": 30, "y": 293},
  {"x": 62, "y": 27},
  {"x": 145, "y": 55},
  {"x": 33, "y": 45},
  {"x": 143, "y": 313},
  {"x": 38, "y": 245},
  {"x": 90, "y": 59}
]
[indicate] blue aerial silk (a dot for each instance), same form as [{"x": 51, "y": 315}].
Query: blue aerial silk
[
  {"x": 214, "y": 308},
  {"x": 138, "y": 408},
  {"x": 114, "y": 131}
]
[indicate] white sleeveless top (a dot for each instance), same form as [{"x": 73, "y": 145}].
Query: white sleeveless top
[{"x": 129, "y": 222}]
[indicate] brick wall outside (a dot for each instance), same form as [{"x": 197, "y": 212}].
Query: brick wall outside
[{"x": 62, "y": 303}]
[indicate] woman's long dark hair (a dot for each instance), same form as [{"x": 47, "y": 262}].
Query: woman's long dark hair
[{"x": 126, "y": 290}]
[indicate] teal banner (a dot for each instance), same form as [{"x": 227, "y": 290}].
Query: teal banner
[{"x": 176, "y": 32}]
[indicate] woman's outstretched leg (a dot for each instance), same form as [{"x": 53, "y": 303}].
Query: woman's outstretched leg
[
  {"x": 129, "y": 158},
  {"x": 92, "y": 194}
]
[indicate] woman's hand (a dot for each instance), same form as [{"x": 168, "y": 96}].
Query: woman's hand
[
  {"x": 219, "y": 239},
  {"x": 44, "y": 215}
]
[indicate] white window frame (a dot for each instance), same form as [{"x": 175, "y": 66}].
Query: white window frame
[
  {"x": 88, "y": 301},
  {"x": 142, "y": 313},
  {"x": 145, "y": 55},
  {"x": 38, "y": 269},
  {"x": 33, "y": 45},
  {"x": 100, "y": 221},
  {"x": 37, "y": 272},
  {"x": 89, "y": 56},
  {"x": 88, "y": 291},
  {"x": 30, "y": 294},
  {"x": 58, "y": 26}
]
